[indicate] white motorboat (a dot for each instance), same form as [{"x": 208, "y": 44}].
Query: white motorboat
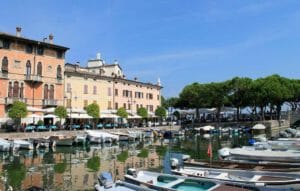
[
  {"x": 62, "y": 140},
  {"x": 22, "y": 144},
  {"x": 167, "y": 182},
  {"x": 80, "y": 139},
  {"x": 101, "y": 137},
  {"x": 254, "y": 154},
  {"x": 5, "y": 145},
  {"x": 254, "y": 178}
]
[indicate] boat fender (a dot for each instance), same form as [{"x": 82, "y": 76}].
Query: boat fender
[{"x": 259, "y": 184}]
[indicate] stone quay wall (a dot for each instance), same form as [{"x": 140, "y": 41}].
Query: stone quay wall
[{"x": 28, "y": 135}]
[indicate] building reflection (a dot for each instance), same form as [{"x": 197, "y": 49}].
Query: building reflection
[{"x": 68, "y": 169}]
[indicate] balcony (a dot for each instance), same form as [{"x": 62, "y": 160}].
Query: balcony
[
  {"x": 49, "y": 102},
  {"x": 11, "y": 100},
  {"x": 4, "y": 75},
  {"x": 59, "y": 81},
  {"x": 33, "y": 78}
]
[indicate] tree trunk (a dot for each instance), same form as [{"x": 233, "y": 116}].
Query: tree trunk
[
  {"x": 262, "y": 113},
  {"x": 278, "y": 111},
  {"x": 238, "y": 113}
]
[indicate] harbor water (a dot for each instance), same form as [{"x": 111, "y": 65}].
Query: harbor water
[{"x": 77, "y": 167}]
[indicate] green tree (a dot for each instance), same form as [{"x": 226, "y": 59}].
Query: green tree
[
  {"x": 161, "y": 112},
  {"x": 93, "y": 110},
  {"x": 170, "y": 102},
  {"x": 17, "y": 111},
  {"x": 61, "y": 112},
  {"x": 93, "y": 163},
  {"x": 239, "y": 93},
  {"x": 122, "y": 112},
  {"x": 142, "y": 112}
]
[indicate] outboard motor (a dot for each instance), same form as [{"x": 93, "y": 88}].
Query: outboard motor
[
  {"x": 224, "y": 153},
  {"x": 174, "y": 163}
]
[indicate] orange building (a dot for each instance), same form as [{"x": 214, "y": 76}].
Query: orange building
[{"x": 30, "y": 71}]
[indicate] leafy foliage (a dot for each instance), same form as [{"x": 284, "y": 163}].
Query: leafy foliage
[
  {"x": 93, "y": 110},
  {"x": 122, "y": 112},
  {"x": 161, "y": 112},
  {"x": 144, "y": 153},
  {"x": 123, "y": 156},
  {"x": 16, "y": 172},
  {"x": 61, "y": 112},
  {"x": 18, "y": 110},
  {"x": 142, "y": 112},
  {"x": 60, "y": 167},
  {"x": 94, "y": 163}
]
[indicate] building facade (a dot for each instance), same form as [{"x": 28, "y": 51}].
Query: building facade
[
  {"x": 106, "y": 85},
  {"x": 31, "y": 72}
]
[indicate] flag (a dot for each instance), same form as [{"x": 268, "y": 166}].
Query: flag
[{"x": 209, "y": 151}]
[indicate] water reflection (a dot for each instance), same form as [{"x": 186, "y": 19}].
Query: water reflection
[{"x": 77, "y": 168}]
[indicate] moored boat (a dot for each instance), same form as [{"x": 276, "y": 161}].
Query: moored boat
[
  {"x": 253, "y": 154},
  {"x": 62, "y": 140},
  {"x": 5, "y": 145},
  {"x": 22, "y": 144},
  {"x": 254, "y": 178}
]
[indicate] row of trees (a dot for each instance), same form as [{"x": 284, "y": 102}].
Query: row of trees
[
  {"x": 261, "y": 95},
  {"x": 19, "y": 111}
]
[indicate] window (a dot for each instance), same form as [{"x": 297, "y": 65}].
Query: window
[
  {"x": 29, "y": 49},
  {"x": 10, "y": 89},
  {"x": 68, "y": 87},
  {"x": 39, "y": 69},
  {"x": 151, "y": 107},
  {"x": 137, "y": 106},
  {"x": 85, "y": 103},
  {"x": 129, "y": 106},
  {"x": 16, "y": 89},
  {"x": 28, "y": 68},
  {"x": 124, "y": 105},
  {"x": 22, "y": 91},
  {"x": 59, "y": 54},
  {"x": 109, "y": 105},
  {"x": 46, "y": 91},
  {"x": 4, "y": 67},
  {"x": 58, "y": 73},
  {"x": 85, "y": 90},
  {"x": 51, "y": 93},
  {"x": 116, "y": 106},
  {"x": 6, "y": 44},
  {"x": 116, "y": 92},
  {"x": 40, "y": 50},
  {"x": 95, "y": 90},
  {"x": 157, "y": 97},
  {"x": 68, "y": 103},
  {"x": 109, "y": 91}
]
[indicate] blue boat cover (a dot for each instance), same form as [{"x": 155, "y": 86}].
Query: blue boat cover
[{"x": 106, "y": 175}]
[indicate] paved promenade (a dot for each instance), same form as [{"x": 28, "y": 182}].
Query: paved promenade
[{"x": 27, "y": 135}]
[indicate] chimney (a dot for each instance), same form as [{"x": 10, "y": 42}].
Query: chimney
[
  {"x": 51, "y": 38},
  {"x": 18, "y": 31}
]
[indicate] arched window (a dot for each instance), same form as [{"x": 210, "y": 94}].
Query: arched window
[
  {"x": 58, "y": 73},
  {"x": 22, "y": 91},
  {"x": 28, "y": 68},
  {"x": 4, "y": 67},
  {"x": 16, "y": 89},
  {"x": 51, "y": 94},
  {"x": 10, "y": 89},
  {"x": 39, "y": 69},
  {"x": 46, "y": 91}
]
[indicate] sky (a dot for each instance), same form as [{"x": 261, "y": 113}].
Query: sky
[{"x": 178, "y": 41}]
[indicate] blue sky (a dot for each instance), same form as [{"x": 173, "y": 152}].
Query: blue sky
[{"x": 179, "y": 41}]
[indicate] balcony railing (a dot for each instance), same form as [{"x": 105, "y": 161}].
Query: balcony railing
[
  {"x": 59, "y": 81},
  {"x": 49, "y": 102},
  {"x": 33, "y": 78},
  {"x": 11, "y": 100},
  {"x": 4, "y": 75}
]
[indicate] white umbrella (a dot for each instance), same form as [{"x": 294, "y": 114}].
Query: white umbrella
[
  {"x": 50, "y": 116},
  {"x": 34, "y": 116}
]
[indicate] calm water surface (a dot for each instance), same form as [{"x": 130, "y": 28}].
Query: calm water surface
[{"x": 77, "y": 168}]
